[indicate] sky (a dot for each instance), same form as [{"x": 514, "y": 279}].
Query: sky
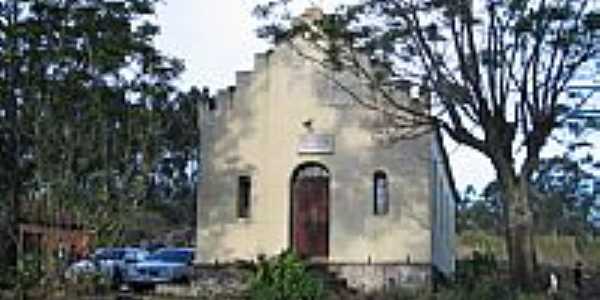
[{"x": 215, "y": 40}]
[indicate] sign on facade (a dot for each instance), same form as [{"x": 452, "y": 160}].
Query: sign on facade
[{"x": 316, "y": 144}]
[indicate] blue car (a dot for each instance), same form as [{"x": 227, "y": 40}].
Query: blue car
[{"x": 164, "y": 266}]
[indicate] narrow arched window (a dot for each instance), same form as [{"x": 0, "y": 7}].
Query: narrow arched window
[{"x": 381, "y": 193}]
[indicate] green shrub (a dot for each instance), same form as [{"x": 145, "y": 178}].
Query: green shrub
[
  {"x": 482, "y": 289},
  {"x": 284, "y": 277},
  {"x": 29, "y": 271},
  {"x": 480, "y": 266},
  {"x": 496, "y": 289},
  {"x": 88, "y": 284},
  {"x": 590, "y": 250},
  {"x": 482, "y": 242},
  {"x": 7, "y": 277}
]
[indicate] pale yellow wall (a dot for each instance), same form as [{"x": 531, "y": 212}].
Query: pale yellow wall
[{"x": 259, "y": 137}]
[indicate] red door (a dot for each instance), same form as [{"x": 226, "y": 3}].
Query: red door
[{"x": 310, "y": 215}]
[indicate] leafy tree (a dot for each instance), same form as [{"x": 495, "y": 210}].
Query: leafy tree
[
  {"x": 481, "y": 211},
  {"x": 564, "y": 200},
  {"x": 563, "y": 194},
  {"x": 89, "y": 113},
  {"x": 173, "y": 192},
  {"x": 496, "y": 72}
]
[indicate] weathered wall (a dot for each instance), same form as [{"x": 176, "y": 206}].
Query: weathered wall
[
  {"x": 370, "y": 277},
  {"x": 255, "y": 132}
]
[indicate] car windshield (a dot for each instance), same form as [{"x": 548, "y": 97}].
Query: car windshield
[
  {"x": 114, "y": 254},
  {"x": 176, "y": 256}
]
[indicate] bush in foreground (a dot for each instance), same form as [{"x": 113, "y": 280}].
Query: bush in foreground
[{"x": 284, "y": 277}]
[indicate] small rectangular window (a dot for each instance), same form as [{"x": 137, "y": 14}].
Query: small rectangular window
[
  {"x": 244, "y": 192},
  {"x": 212, "y": 104},
  {"x": 380, "y": 193}
]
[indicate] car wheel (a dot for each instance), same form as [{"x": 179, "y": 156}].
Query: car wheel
[
  {"x": 135, "y": 287},
  {"x": 117, "y": 278},
  {"x": 183, "y": 279}
]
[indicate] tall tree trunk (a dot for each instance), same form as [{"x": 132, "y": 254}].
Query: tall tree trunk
[
  {"x": 12, "y": 254},
  {"x": 12, "y": 116},
  {"x": 519, "y": 224}
]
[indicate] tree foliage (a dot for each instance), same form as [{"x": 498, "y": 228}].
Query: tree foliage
[
  {"x": 91, "y": 124},
  {"x": 481, "y": 211},
  {"x": 564, "y": 201}
]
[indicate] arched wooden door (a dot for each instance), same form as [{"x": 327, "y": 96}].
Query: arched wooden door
[{"x": 310, "y": 211}]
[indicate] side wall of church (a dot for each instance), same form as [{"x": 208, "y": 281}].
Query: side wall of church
[{"x": 443, "y": 213}]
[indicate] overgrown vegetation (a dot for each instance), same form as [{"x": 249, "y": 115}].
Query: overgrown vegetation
[
  {"x": 480, "y": 278},
  {"x": 484, "y": 290},
  {"x": 284, "y": 277},
  {"x": 93, "y": 131},
  {"x": 88, "y": 284}
]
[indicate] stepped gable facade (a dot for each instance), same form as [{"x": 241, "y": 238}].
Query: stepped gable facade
[{"x": 291, "y": 161}]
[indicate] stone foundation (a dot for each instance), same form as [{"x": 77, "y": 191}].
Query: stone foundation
[
  {"x": 228, "y": 282},
  {"x": 372, "y": 277},
  {"x": 210, "y": 282}
]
